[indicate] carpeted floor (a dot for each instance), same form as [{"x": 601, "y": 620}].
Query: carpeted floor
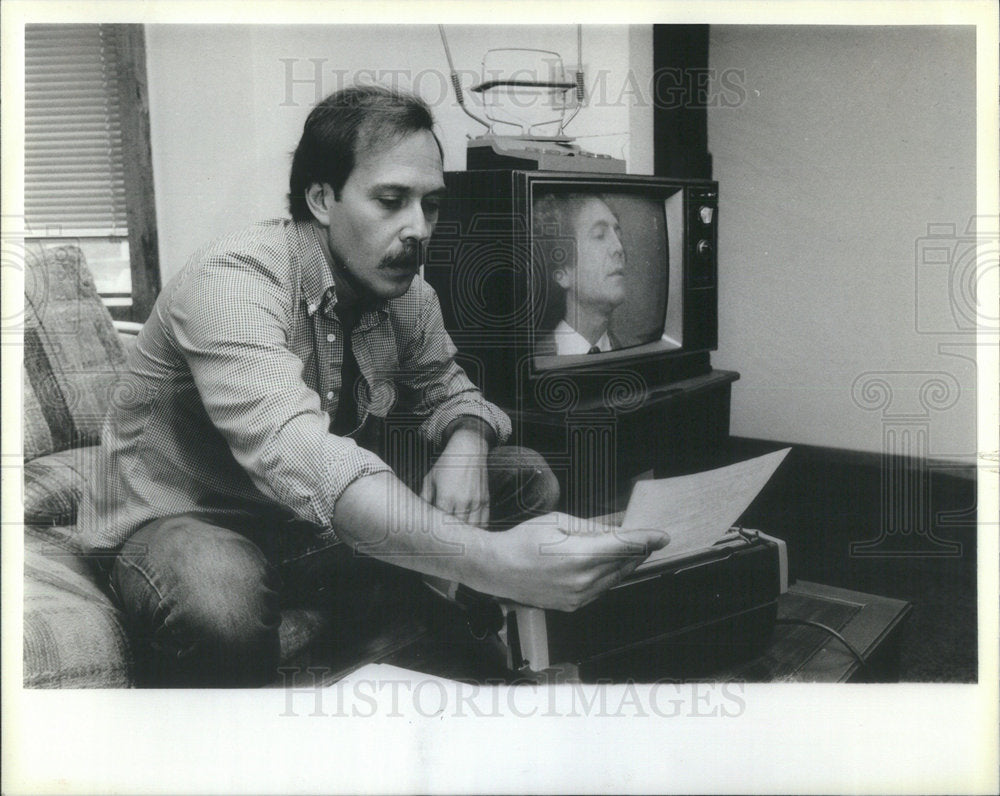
[{"x": 821, "y": 501}]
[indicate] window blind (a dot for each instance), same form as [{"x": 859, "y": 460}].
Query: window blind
[{"x": 74, "y": 170}]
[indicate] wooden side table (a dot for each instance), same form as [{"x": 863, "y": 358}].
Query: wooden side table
[{"x": 797, "y": 653}]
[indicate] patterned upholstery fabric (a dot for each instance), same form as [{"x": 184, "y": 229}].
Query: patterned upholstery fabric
[
  {"x": 53, "y": 486},
  {"x": 59, "y": 541},
  {"x": 74, "y": 635},
  {"x": 72, "y": 354},
  {"x": 37, "y": 436}
]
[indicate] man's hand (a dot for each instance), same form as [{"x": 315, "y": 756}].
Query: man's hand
[
  {"x": 558, "y": 561},
  {"x": 552, "y": 561},
  {"x": 457, "y": 483}
]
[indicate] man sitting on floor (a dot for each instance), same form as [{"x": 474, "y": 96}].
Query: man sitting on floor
[{"x": 239, "y": 468}]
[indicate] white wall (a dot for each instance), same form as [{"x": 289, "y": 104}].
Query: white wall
[
  {"x": 848, "y": 144},
  {"x": 227, "y": 105}
]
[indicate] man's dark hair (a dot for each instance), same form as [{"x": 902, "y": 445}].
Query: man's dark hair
[{"x": 344, "y": 125}]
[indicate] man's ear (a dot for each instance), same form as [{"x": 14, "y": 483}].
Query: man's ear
[
  {"x": 561, "y": 278},
  {"x": 319, "y": 198}
]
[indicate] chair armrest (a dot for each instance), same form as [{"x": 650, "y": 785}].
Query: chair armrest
[
  {"x": 128, "y": 333},
  {"x": 127, "y": 327}
]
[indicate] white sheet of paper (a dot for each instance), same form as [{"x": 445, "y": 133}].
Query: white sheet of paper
[
  {"x": 386, "y": 672},
  {"x": 697, "y": 510}
]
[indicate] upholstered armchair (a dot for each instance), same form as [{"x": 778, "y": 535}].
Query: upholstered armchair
[{"x": 74, "y": 635}]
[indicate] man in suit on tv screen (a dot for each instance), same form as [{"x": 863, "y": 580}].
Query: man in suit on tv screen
[
  {"x": 580, "y": 242},
  {"x": 241, "y": 470}
]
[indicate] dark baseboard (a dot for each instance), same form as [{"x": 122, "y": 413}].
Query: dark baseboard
[{"x": 861, "y": 459}]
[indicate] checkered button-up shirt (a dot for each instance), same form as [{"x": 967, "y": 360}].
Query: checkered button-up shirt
[{"x": 227, "y": 404}]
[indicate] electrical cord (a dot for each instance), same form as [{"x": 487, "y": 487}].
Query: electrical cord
[{"x": 810, "y": 623}]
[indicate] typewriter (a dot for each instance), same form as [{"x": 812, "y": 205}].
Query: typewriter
[{"x": 678, "y": 617}]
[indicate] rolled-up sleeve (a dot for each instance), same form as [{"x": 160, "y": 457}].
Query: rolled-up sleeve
[
  {"x": 443, "y": 390},
  {"x": 231, "y": 321}
]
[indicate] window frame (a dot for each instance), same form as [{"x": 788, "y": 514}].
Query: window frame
[{"x": 137, "y": 174}]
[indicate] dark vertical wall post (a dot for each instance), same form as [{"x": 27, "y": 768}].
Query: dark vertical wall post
[
  {"x": 141, "y": 204},
  {"x": 680, "y": 97}
]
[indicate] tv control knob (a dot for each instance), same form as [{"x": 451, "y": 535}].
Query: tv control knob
[
  {"x": 706, "y": 214},
  {"x": 704, "y": 249}
]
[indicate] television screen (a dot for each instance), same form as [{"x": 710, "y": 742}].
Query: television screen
[
  {"x": 523, "y": 261},
  {"x": 601, "y": 266}
]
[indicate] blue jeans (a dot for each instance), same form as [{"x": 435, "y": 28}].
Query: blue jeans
[{"x": 204, "y": 596}]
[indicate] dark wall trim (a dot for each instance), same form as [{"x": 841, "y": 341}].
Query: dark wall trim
[
  {"x": 859, "y": 459},
  {"x": 680, "y": 118},
  {"x": 141, "y": 204}
]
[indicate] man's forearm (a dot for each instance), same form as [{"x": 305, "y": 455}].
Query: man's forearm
[
  {"x": 473, "y": 425},
  {"x": 540, "y": 562},
  {"x": 380, "y": 517}
]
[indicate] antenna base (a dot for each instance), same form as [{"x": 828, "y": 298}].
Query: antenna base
[{"x": 536, "y": 153}]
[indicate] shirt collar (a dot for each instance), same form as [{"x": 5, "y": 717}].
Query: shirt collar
[
  {"x": 570, "y": 341},
  {"x": 317, "y": 278},
  {"x": 319, "y": 291}
]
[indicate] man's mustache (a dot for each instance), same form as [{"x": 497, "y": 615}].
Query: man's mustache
[{"x": 409, "y": 258}]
